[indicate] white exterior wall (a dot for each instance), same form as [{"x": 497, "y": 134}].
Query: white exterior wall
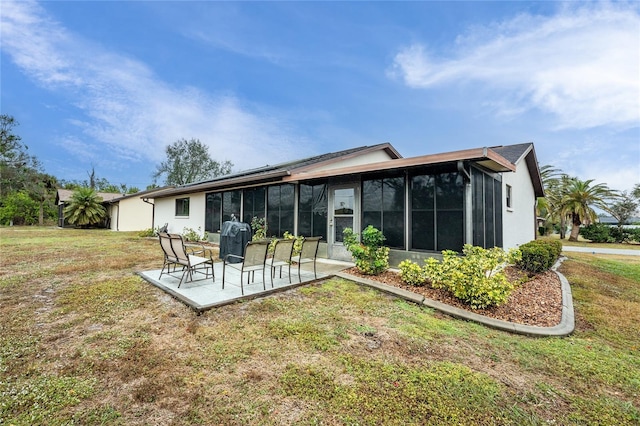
[
  {"x": 166, "y": 213},
  {"x": 518, "y": 222},
  {"x": 131, "y": 214}
]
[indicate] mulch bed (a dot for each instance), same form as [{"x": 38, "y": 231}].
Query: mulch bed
[{"x": 537, "y": 302}]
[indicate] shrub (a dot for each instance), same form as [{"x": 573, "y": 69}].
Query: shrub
[
  {"x": 539, "y": 255},
  {"x": 259, "y": 227},
  {"x": 411, "y": 273},
  {"x": 150, "y": 232},
  {"x": 370, "y": 256},
  {"x": 476, "y": 278},
  {"x": 634, "y": 235},
  {"x": 297, "y": 245},
  {"x": 20, "y": 209},
  {"x": 597, "y": 233},
  {"x": 190, "y": 234}
]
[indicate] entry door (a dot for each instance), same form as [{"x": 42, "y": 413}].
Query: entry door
[{"x": 344, "y": 213}]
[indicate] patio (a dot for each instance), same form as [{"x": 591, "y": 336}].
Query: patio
[{"x": 205, "y": 294}]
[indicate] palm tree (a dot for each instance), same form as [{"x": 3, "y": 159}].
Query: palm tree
[
  {"x": 554, "y": 182},
  {"x": 85, "y": 208},
  {"x": 578, "y": 199}
]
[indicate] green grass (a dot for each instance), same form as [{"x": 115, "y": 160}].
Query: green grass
[
  {"x": 586, "y": 243},
  {"x": 83, "y": 340}
]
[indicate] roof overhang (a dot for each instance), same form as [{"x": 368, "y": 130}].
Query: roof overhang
[
  {"x": 221, "y": 184},
  {"x": 483, "y": 156}
]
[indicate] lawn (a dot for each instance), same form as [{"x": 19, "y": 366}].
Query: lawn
[{"x": 83, "y": 340}]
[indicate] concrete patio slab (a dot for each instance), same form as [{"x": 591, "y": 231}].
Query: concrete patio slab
[{"x": 205, "y": 294}]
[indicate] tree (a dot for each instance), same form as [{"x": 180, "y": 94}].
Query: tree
[
  {"x": 554, "y": 182},
  {"x": 16, "y": 165},
  {"x": 85, "y": 208},
  {"x": 579, "y": 198},
  {"x": 18, "y": 208},
  {"x": 624, "y": 208},
  {"x": 636, "y": 191},
  {"x": 189, "y": 161},
  {"x": 21, "y": 173}
]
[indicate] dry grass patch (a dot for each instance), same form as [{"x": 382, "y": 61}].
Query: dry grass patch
[{"x": 92, "y": 343}]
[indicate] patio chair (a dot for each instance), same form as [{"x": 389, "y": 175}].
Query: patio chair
[
  {"x": 308, "y": 254},
  {"x": 175, "y": 254},
  {"x": 281, "y": 257},
  {"x": 254, "y": 259}
]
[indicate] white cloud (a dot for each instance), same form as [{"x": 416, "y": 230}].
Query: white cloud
[
  {"x": 127, "y": 109},
  {"x": 581, "y": 65}
]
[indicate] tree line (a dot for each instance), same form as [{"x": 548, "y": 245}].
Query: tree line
[
  {"x": 571, "y": 202},
  {"x": 28, "y": 193}
]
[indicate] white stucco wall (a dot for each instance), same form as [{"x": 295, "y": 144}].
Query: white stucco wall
[
  {"x": 131, "y": 214},
  {"x": 166, "y": 213},
  {"x": 519, "y": 221}
]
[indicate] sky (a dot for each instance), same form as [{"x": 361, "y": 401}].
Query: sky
[{"x": 107, "y": 85}]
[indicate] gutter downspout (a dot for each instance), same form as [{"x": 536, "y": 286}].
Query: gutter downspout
[
  {"x": 153, "y": 210},
  {"x": 468, "y": 203}
]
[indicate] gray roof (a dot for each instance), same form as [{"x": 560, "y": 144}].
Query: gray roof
[
  {"x": 64, "y": 195},
  {"x": 513, "y": 153},
  {"x": 271, "y": 172},
  {"x": 503, "y": 157}
]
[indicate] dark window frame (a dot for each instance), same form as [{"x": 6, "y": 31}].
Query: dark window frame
[
  {"x": 379, "y": 209},
  {"x": 437, "y": 201},
  {"x": 182, "y": 207},
  {"x": 313, "y": 205}
]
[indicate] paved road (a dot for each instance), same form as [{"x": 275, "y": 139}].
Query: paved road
[{"x": 625, "y": 252}]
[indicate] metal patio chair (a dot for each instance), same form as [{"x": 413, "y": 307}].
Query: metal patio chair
[
  {"x": 308, "y": 254},
  {"x": 281, "y": 257},
  {"x": 254, "y": 259},
  {"x": 175, "y": 254}
]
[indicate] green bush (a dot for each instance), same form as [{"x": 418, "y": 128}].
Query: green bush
[
  {"x": 477, "y": 278},
  {"x": 147, "y": 233},
  {"x": 634, "y": 235},
  {"x": 370, "y": 256},
  {"x": 19, "y": 209},
  {"x": 411, "y": 273},
  {"x": 539, "y": 255},
  {"x": 259, "y": 227},
  {"x": 151, "y": 232},
  {"x": 189, "y": 234},
  {"x": 597, "y": 233}
]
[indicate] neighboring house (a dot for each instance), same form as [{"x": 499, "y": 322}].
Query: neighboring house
[
  {"x": 64, "y": 195},
  {"x": 423, "y": 205},
  {"x": 610, "y": 220},
  {"x": 132, "y": 212}
]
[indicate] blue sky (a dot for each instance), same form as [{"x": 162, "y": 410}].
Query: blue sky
[{"x": 107, "y": 85}]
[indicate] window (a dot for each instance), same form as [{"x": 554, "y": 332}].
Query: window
[
  {"x": 437, "y": 212},
  {"x": 213, "y": 212},
  {"x": 487, "y": 209},
  {"x": 182, "y": 207},
  {"x": 312, "y": 210},
  {"x": 280, "y": 209},
  {"x": 508, "y": 188},
  {"x": 253, "y": 204},
  {"x": 231, "y": 205},
  {"x": 383, "y": 207}
]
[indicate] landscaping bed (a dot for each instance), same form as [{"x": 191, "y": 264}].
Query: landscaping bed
[{"x": 535, "y": 302}]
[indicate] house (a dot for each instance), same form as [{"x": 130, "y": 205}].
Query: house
[
  {"x": 125, "y": 212},
  {"x": 132, "y": 212},
  {"x": 64, "y": 195},
  {"x": 423, "y": 205}
]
